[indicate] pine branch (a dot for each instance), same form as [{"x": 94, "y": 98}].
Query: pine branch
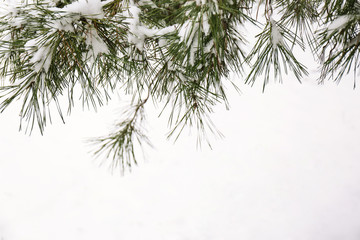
[
  {"x": 272, "y": 50},
  {"x": 178, "y": 53},
  {"x": 120, "y": 145}
]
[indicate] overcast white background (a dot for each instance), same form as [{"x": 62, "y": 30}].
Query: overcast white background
[{"x": 287, "y": 169}]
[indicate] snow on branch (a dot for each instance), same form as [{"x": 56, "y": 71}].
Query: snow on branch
[
  {"x": 276, "y": 36},
  {"x": 339, "y": 23}
]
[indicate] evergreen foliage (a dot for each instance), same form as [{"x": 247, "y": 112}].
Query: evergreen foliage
[{"x": 178, "y": 53}]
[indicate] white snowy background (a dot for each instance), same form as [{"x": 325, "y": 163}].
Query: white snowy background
[{"x": 287, "y": 169}]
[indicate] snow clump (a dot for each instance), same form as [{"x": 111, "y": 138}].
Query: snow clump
[
  {"x": 139, "y": 32},
  {"x": 88, "y": 8},
  {"x": 276, "y": 36},
  {"x": 95, "y": 43},
  {"x": 339, "y": 23}
]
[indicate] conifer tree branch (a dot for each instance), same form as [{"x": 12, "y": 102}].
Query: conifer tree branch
[{"x": 178, "y": 53}]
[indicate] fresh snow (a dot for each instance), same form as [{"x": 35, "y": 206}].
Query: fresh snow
[
  {"x": 276, "y": 36},
  {"x": 63, "y": 24},
  {"x": 188, "y": 34},
  {"x": 96, "y": 44},
  {"x": 42, "y": 58},
  {"x": 205, "y": 24},
  {"x": 339, "y": 23},
  {"x": 139, "y": 32},
  {"x": 90, "y": 8}
]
